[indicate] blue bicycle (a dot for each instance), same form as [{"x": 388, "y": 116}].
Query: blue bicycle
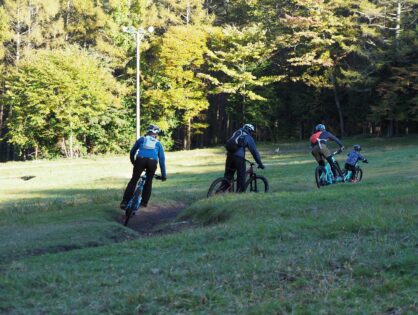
[
  {"x": 135, "y": 201},
  {"x": 324, "y": 175}
]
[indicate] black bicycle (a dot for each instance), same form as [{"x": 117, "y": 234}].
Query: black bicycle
[
  {"x": 135, "y": 202},
  {"x": 254, "y": 183}
]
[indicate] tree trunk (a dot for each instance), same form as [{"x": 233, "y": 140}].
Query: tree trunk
[
  {"x": 337, "y": 103},
  {"x": 189, "y": 134},
  {"x": 66, "y": 19},
  {"x": 390, "y": 128},
  {"x": 398, "y": 22},
  {"x": 71, "y": 145},
  {"x": 188, "y": 12},
  {"x": 18, "y": 37}
]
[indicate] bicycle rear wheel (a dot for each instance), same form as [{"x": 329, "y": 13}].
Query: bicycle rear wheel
[
  {"x": 257, "y": 184},
  {"x": 320, "y": 173},
  {"x": 220, "y": 185}
]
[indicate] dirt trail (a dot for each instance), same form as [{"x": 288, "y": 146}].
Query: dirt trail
[{"x": 155, "y": 220}]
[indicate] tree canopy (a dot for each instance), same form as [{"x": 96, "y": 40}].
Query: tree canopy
[{"x": 67, "y": 71}]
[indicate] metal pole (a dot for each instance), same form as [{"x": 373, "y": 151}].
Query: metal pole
[{"x": 138, "y": 93}]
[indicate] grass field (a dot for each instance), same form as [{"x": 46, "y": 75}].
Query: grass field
[{"x": 343, "y": 249}]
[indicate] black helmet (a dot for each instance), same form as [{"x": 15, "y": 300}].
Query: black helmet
[
  {"x": 153, "y": 129},
  {"x": 249, "y": 128},
  {"x": 357, "y": 147}
]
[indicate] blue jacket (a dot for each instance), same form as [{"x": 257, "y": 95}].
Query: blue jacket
[
  {"x": 149, "y": 147},
  {"x": 247, "y": 141},
  {"x": 354, "y": 157}
]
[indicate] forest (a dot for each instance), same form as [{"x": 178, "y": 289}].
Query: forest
[{"x": 68, "y": 71}]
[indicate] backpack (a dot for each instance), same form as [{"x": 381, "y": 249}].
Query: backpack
[
  {"x": 149, "y": 143},
  {"x": 235, "y": 142},
  {"x": 314, "y": 137}
]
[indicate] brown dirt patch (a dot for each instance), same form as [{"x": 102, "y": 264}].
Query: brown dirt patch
[{"x": 156, "y": 220}]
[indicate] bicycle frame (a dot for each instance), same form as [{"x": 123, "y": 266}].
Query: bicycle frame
[
  {"x": 139, "y": 186},
  {"x": 349, "y": 174},
  {"x": 329, "y": 176}
]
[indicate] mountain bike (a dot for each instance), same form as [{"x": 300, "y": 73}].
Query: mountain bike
[
  {"x": 324, "y": 175},
  {"x": 135, "y": 202},
  {"x": 254, "y": 183}
]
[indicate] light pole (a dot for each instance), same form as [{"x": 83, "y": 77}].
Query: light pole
[{"x": 138, "y": 35}]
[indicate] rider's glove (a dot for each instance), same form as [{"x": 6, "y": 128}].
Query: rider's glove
[
  {"x": 365, "y": 161},
  {"x": 261, "y": 166},
  {"x": 163, "y": 178},
  {"x": 342, "y": 148}
]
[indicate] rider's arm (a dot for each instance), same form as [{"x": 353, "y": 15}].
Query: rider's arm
[
  {"x": 135, "y": 148},
  {"x": 251, "y": 146},
  {"x": 161, "y": 159},
  {"x": 332, "y": 137}
]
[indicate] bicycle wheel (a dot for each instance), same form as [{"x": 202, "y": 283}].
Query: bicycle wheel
[
  {"x": 220, "y": 185},
  {"x": 359, "y": 174},
  {"x": 319, "y": 176},
  {"x": 257, "y": 184},
  {"x": 133, "y": 205}
]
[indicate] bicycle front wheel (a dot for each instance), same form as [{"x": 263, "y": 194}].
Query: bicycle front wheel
[
  {"x": 133, "y": 205},
  {"x": 257, "y": 184},
  {"x": 359, "y": 174},
  {"x": 220, "y": 185}
]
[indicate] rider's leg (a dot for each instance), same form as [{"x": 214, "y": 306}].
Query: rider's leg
[
  {"x": 239, "y": 163},
  {"x": 332, "y": 165},
  {"x": 151, "y": 167},
  {"x": 136, "y": 174},
  {"x": 229, "y": 167},
  {"x": 352, "y": 169}
]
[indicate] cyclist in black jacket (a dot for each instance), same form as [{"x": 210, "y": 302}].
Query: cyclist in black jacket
[{"x": 235, "y": 159}]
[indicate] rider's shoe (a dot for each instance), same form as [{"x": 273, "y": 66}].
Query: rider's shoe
[
  {"x": 143, "y": 205},
  {"x": 353, "y": 180},
  {"x": 123, "y": 205}
]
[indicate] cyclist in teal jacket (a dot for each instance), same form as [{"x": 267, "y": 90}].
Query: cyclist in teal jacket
[{"x": 145, "y": 154}]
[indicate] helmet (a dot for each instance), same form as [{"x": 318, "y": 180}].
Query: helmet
[
  {"x": 357, "y": 147},
  {"x": 320, "y": 127},
  {"x": 249, "y": 128},
  {"x": 153, "y": 129}
]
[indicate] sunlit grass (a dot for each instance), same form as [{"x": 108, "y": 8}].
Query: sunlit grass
[{"x": 343, "y": 249}]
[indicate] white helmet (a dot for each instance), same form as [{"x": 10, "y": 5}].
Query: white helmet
[
  {"x": 249, "y": 128},
  {"x": 153, "y": 129}
]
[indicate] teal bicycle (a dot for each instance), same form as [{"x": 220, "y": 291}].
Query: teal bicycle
[
  {"x": 135, "y": 202},
  {"x": 324, "y": 175}
]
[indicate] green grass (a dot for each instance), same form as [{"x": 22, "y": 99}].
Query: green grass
[{"x": 344, "y": 249}]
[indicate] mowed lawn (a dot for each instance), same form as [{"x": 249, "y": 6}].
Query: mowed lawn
[{"x": 342, "y": 249}]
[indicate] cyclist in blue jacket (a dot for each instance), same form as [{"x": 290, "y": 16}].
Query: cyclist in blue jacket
[
  {"x": 235, "y": 159},
  {"x": 352, "y": 158},
  {"x": 320, "y": 150},
  {"x": 145, "y": 154}
]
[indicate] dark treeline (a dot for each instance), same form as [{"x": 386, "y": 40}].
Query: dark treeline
[{"x": 67, "y": 71}]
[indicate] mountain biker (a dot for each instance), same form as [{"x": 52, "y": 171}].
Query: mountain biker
[
  {"x": 320, "y": 150},
  {"x": 148, "y": 151},
  {"x": 352, "y": 158},
  {"x": 235, "y": 158}
]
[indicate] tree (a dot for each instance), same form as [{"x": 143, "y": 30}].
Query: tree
[
  {"x": 325, "y": 42},
  {"x": 180, "y": 89},
  {"x": 63, "y": 102},
  {"x": 236, "y": 60}
]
